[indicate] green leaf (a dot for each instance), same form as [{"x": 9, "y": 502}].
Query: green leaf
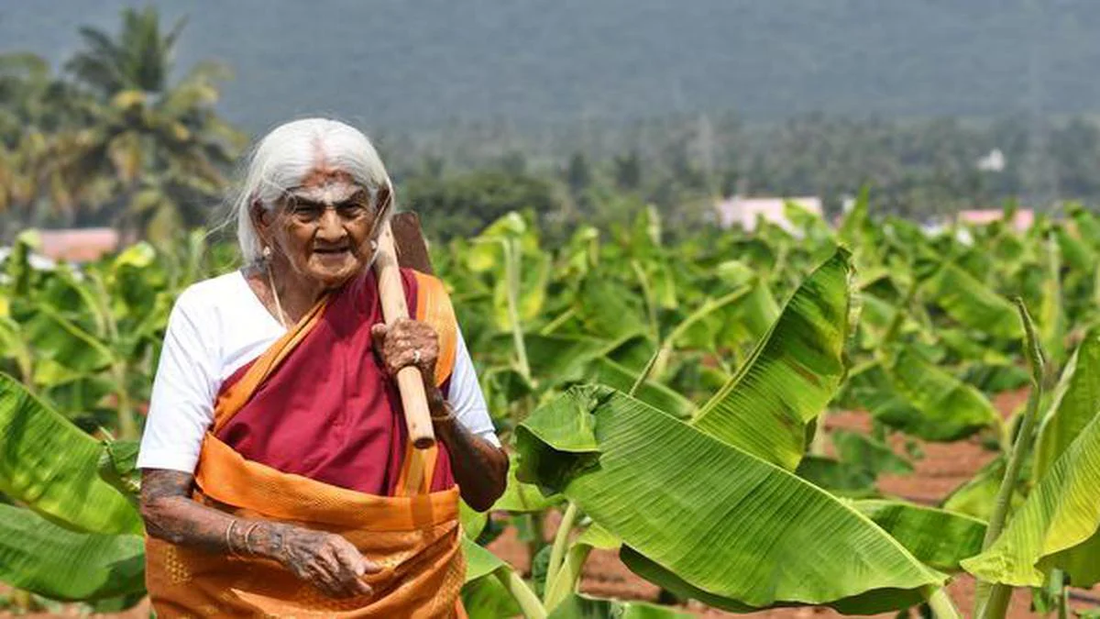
[
  {"x": 792, "y": 374},
  {"x": 937, "y": 537},
  {"x": 1056, "y": 526},
  {"x": 1076, "y": 401},
  {"x": 51, "y": 466},
  {"x": 840, "y": 478},
  {"x": 977, "y": 496},
  {"x": 486, "y": 598},
  {"x": 558, "y": 359},
  {"x": 41, "y": 557},
  {"x": 971, "y": 302},
  {"x": 606, "y": 372},
  {"x": 520, "y": 497},
  {"x": 473, "y": 521},
  {"x": 118, "y": 467},
  {"x": 938, "y": 406},
  {"x": 479, "y": 561},
  {"x": 609, "y": 310},
  {"x": 866, "y": 452},
  {"x": 53, "y": 337},
  {"x": 758, "y": 537}
]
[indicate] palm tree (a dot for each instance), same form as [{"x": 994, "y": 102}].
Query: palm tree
[
  {"x": 161, "y": 145},
  {"x": 38, "y": 113}
]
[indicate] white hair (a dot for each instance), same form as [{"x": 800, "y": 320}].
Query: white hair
[{"x": 288, "y": 154}]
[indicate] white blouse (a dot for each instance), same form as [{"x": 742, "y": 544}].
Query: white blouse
[{"x": 217, "y": 326}]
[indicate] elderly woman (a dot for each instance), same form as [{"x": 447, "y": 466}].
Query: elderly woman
[{"x": 278, "y": 477}]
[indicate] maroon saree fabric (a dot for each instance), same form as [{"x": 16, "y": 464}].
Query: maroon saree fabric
[{"x": 329, "y": 412}]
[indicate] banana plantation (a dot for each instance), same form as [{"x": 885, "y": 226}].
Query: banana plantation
[{"x": 668, "y": 401}]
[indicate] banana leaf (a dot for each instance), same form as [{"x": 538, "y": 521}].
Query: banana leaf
[
  {"x": 473, "y": 521},
  {"x": 1051, "y": 316},
  {"x": 756, "y": 538},
  {"x": 486, "y": 598},
  {"x": 792, "y": 374},
  {"x": 939, "y": 538},
  {"x": 1076, "y": 401},
  {"x": 51, "y": 466},
  {"x": 995, "y": 378},
  {"x": 562, "y": 358},
  {"x": 607, "y": 372},
  {"x": 1077, "y": 254},
  {"x": 608, "y": 310},
  {"x": 971, "y": 303},
  {"x": 976, "y": 496},
  {"x": 521, "y": 497},
  {"x": 935, "y": 405},
  {"x": 841, "y": 478},
  {"x": 1088, "y": 225},
  {"x": 479, "y": 561},
  {"x": 868, "y": 453},
  {"x": 534, "y": 273},
  {"x": 41, "y": 557},
  {"x": 53, "y": 337},
  {"x": 1057, "y": 525}
]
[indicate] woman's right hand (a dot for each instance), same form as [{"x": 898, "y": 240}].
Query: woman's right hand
[{"x": 326, "y": 561}]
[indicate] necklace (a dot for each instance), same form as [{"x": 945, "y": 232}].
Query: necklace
[{"x": 275, "y": 293}]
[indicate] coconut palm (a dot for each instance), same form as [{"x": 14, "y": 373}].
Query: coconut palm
[
  {"x": 38, "y": 116},
  {"x": 161, "y": 144}
]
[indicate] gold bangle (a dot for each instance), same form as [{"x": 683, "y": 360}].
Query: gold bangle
[{"x": 248, "y": 546}]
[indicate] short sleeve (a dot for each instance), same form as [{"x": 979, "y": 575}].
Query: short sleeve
[
  {"x": 181, "y": 407},
  {"x": 466, "y": 397}
]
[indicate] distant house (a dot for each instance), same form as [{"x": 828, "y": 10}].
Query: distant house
[
  {"x": 77, "y": 244},
  {"x": 744, "y": 212},
  {"x": 1022, "y": 220}
]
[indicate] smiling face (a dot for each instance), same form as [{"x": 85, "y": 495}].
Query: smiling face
[{"x": 322, "y": 228}]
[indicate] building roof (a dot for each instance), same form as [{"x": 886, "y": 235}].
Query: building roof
[
  {"x": 78, "y": 244},
  {"x": 1022, "y": 220},
  {"x": 744, "y": 212}
]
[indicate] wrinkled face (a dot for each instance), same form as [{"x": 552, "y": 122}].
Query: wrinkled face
[{"x": 323, "y": 227}]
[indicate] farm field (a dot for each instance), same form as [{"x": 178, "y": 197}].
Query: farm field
[
  {"x": 943, "y": 468},
  {"x": 678, "y": 410}
]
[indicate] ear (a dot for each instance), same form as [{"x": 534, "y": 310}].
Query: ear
[
  {"x": 384, "y": 199},
  {"x": 261, "y": 219}
]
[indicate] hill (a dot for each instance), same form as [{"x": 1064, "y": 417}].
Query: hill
[{"x": 411, "y": 65}]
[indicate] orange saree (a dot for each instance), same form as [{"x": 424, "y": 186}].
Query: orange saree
[{"x": 408, "y": 525}]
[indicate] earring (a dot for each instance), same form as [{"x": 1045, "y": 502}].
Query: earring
[
  {"x": 373, "y": 245},
  {"x": 267, "y": 252}
]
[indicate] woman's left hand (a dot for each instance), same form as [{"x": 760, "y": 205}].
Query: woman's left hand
[
  {"x": 480, "y": 468},
  {"x": 406, "y": 343}
]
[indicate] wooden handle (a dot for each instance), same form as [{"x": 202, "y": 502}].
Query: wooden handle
[{"x": 409, "y": 382}]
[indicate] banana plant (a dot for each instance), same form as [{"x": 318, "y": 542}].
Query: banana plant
[{"x": 73, "y": 536}]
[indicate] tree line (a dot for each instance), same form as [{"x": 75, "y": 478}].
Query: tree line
[{"x": 111, "y": 139}]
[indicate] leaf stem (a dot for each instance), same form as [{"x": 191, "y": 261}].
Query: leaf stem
[
  {"x": 557, "y": 551},
  {"x": 127, "y": 429},
  {"x": 528, "y": 602},
  {"x": 570, "y": 571},
  {"x": 940, "y": 603},
  {"x": 647, "y": 295},
  {"x": 552, "y": 326},
  {"x": 511, "y": 274},
  {"x": 992, "y": 601}
]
